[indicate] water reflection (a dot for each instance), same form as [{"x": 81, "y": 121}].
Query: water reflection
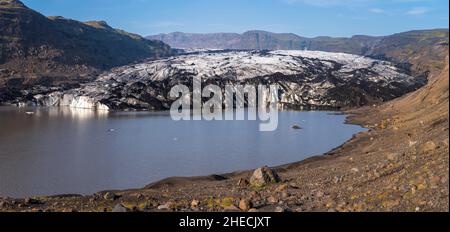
[{"x": 66, "y": 112}]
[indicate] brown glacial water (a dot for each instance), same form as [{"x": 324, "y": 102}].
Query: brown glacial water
[{"x": 60, "y": 151}]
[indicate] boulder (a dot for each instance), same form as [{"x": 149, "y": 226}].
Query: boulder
[
  {"x": 263, "y": 176},
  {"x": 243, "y": 182},
  {"x": 110, "y": 196},
  {"x": 272, "y": 200},
  {"x": 167, "y": 206},
  {"x": 245, "y": 205},
  {"x": 195, "y": 204}
]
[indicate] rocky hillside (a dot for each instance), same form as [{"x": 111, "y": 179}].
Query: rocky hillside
[
  {"x": 307, "y": 79},
  {"x": 424, "y": 51},
  {"x": 39, "y": 49},
  {"x": 403, "y": 48}
]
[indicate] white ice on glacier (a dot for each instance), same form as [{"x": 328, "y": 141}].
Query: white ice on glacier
[{"x": 241, "y": 65}]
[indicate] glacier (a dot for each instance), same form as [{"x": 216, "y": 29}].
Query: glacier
[{"x": 307, "y": 79}]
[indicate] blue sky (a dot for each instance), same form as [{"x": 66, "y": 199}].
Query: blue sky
[{"x": 303, "y": 17}]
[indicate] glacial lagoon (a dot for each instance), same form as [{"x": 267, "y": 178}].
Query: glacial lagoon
[{"x": 50, "y": 151}]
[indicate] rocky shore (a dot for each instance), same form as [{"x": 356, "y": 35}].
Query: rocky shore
[{"x": 400, "y": 164}]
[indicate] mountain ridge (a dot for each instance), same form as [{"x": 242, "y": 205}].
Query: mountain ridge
[
  {"x": 290, "y": 35},
  {"x": 34, "y": 47},
  {"x": 402, "y": 48}
]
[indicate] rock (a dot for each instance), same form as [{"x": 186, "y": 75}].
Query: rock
[
  {"x": 279, "y": 210},
  {"x": 285, "y": 194},
  {"x": 243, "y": 182},
  {"x": 167, "y": 206},
  {"x": 330, "y": 204},
  {"x": 195, "y": 203},
  {"x": 263, "y": 176},
  {"x": 296, "y": 127},
  {"x": 110, "y": 196},
  {"x": 245, "y": 205},
  {"x": 390, "y": 204},
  {"x": 435, "y": 181},
  {"x": 393, "y": 157},
  {"x": 428, "y": 147},
  {"x": 272, "y": 200},
  {"x": 231, "y": 208},
  {"x": 253, "y": 211},
  {"x": 355, "y": 170},
  {"x": 255, "y": 196},
  {"x": 31, "y": 201},
  {"x": 119, "y": 208},
  {"x": 422, "y": 186},
  {"x": 412, "y": 143},
  {"x": 445, "y": 142},
  {"x": 69, "y": 210},
  {"x": 338, "y": 179},
  {"x": 3, "y": 204},
  {"x": 282, "y": 188}
]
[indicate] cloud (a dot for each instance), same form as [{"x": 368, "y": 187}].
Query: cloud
[
  {"x": 377, "y": 10},
  {"x": 418, "y": 11}
]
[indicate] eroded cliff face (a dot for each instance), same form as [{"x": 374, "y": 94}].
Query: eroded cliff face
[{"x": 306, "y": 79}]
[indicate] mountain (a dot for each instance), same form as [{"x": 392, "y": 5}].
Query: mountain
[
  {"x": 39, "y": 49},
  {"x": 425, "y": 51},
  {"x": 418, "y": 47},
  {"x": 190, "y": 40},
  {"x": 251, "y": 40}
]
